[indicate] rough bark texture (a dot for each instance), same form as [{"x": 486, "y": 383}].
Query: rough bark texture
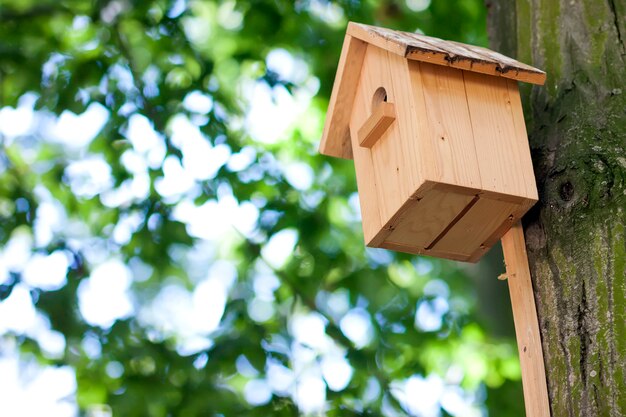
[{"x": 576, "y": 235}]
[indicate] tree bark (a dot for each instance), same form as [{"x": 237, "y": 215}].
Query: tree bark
[{"x": 576, "y": 234}]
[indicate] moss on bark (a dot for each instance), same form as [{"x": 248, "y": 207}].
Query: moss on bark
[{"x": 576, "y": 235}]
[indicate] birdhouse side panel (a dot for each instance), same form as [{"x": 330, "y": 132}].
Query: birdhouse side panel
[
  {"x": 521, "y": 141},
  {"x": 500, "y": 135},
  {"x": 449, "y": 141}
]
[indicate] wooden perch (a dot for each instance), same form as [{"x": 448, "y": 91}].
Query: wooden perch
[{"x": 375, "y": 127}]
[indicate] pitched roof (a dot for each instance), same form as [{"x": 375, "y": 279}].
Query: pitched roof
[
  {"x": 454, "y": 54},
  {"x": 336, "y": 136}
]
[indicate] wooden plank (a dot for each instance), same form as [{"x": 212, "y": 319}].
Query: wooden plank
[
  {"x": 503, "y": 61},
  {"x": 367, "y": 182},
  {"x": 389, "y": 227},
  {"x": 489, "y": 62},
  {"x": 451, "y": 133},
  {"x": 522, "y": 147},
  {"x": 448, "y": 53},
  {"x": 390, "y": 40},
  {"x": 488, "y": 68},
  {"x": 396, "y": 156},
  {"x": 415, "y": 154},
  {"x": 473, "y": 229},
  {"x": 421, "y": 154},
  {"x": 526, "y": 324},
  {"x": 504, "y": 197},
  {"x": 503, "y": 154},
  {"x": 516, "y": 216},
  {"x": 428, "y": 57},
  {"x": 426, "y": 218},
  {"x": 421, "y": 251},
  {"x": 336, "y": 135},
  {"x": 376, "y": 125}
]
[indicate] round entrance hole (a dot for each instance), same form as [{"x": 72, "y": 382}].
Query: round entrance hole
[{"x": 380, "y": 95}]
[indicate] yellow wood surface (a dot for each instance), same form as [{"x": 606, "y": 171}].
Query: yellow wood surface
[
  {"x": 408, "y": 47},
  {"x": 521, "y": 208},
  {"x": 413, "y": 153},
  {"x": 363, "y": 33},
  {"x": 526, "y": 324},
  {"x": 451, "y": 174},
  {"x": 475, "y": 227},
  {"x": 364, "y": 166},
  {"x": 396, "y": 174},
  {"x": 336, "y": 136},
  {"x": 522, "y": 148},
  {"x": 450, "y": 134},
  {"x": 376, "y": 125},
  {"x": 426, "y": 218},
  {"x": 504, "y": 156},
  {"x": 420, "y": 251}
]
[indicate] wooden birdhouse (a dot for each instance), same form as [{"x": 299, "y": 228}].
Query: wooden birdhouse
[{"x": 438, "y": 139}]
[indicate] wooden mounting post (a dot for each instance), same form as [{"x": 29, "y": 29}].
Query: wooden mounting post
[{"x": 526, "y": 323}]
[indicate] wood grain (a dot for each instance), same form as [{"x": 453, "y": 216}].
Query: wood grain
[
  {"x": 504, "y": 161},
  {"x": 414, "y": 154},
  {"x": 415, "y": 250},
  {"x": 521, "y": 209},
  {"x": 441, "y": 156},
  {"x": 473, "y": 229},
  {"x": 376, "y": 125},
  {"x": 336, "y": 135},
  {"x": 451, "y": 136},
  {"x": 364, "y": 166},
  {"x": 526, "y": 323},
  {"x": 448, "y": 53},
  {"x": 521, "y": 146},
  {"x": 426, "y": 218},
  {"x": 397, "y": 157}
]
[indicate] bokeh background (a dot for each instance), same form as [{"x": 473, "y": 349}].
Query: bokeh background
[{"x": 172, "y": 244}]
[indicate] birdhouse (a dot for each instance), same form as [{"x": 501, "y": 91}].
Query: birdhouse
[{"x": 438, "y": 139}]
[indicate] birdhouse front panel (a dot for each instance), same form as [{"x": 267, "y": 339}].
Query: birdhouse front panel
[
  {"x": 387, "y": 172},
  {"x": 441, "y": 153}
]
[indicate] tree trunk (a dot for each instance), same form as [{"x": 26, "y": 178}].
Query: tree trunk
[{"x": 576, "y": 235}]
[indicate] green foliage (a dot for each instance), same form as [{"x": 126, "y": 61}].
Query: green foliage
[{"x": 140, "y": 61}]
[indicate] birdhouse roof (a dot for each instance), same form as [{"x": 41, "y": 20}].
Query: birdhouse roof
[{"x": 413, "y": 46}]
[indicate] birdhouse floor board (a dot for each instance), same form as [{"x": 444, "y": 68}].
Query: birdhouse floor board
[
  {"x": 426, "y": 218},
  {"x": 420, "y": 251},
  {"x": 452, "y": 222},
  {"x": 476, "y": 226}
]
